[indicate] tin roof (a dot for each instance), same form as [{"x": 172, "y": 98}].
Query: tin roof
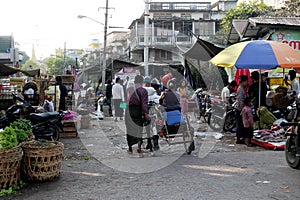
[
  {"x": 286, "y": 21},
  {"x": 258, "y": 27}
]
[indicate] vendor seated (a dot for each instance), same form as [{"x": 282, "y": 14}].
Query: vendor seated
[{"x": 169, "y": 99}]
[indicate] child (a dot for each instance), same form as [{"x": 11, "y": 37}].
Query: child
[{"x": 247, "y": 118}]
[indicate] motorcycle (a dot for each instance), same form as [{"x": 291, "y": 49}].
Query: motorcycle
[
  {"x": 221, "y": 117},
  {"x": 44, "y": 125},
  {"x": 204, "y": 104},
  {"x": 292, "y": 145}
]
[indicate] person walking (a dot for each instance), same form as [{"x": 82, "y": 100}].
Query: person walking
[
  {"x": 63, "y": 93},
  {"x": 118, "y": 97},
  {"x": 136, "y": 112},
  {"x": 240, "y": 96},
  {"x": 108, "y": 95}
]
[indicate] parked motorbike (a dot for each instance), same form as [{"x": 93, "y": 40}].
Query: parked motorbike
[
  {"x": 221, "y": 117},
  {"x": 292, "y": 145},
  {"x": 204, "y": 104},
  {"x": 44, "y": 125}
]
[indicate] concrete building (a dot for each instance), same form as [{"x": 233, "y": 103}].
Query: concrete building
[{"x": 171, "y": 29}]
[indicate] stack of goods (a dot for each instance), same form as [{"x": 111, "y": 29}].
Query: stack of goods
[
  {"x": 18, "y": 82},
  {"x": 270, "y": 139},
  {"x": 6, "y": 89},
  {"x": 71, "y": 122}
]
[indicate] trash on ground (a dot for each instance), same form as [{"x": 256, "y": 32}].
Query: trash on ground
[{"x": 209, "y": 134}]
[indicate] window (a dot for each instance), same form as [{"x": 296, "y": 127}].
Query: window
[
  {"x": 162, "y": 55},
  {"x": 205, "y": 28}
]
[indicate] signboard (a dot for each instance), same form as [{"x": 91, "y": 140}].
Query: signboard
[
  {"x": 290, "y": 37},
  {"x": 278, "y": 81},
  {"x": 5, "y": 55}
]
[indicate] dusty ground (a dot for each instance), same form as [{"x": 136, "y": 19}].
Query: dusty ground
[{"x": 228, "y": 171}]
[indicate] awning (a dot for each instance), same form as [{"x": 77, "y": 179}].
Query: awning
[
  {"x": 7, "y": 70},
  {"x": 203, "y": 50}
]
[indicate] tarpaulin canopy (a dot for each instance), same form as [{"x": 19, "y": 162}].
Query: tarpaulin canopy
[
  {"x": 7, "y": 70},
  {"x": 203, "y": 50}
]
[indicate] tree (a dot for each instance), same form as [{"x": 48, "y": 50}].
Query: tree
[
  {"x": 291, "y": 9},
  {"x": 55, "y": 65},
  {"x": 244, "y": 11},
  {"x": 25, "y": 57},
  {"x": 34, "y": 65}
]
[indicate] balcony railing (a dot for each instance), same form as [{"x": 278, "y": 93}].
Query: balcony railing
[
  {"x": 161, "y": 40},
  {"x": 180, "y": 6}
]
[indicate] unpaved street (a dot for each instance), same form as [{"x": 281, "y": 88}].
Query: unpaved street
[{"x": 227, "y": 171}]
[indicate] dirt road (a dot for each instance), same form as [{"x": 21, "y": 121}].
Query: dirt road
[{"x": 216, "y": 170}]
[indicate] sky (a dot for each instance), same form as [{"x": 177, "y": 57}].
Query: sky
[{"x": 49, "y": 24}]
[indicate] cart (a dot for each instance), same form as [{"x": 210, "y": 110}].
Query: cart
[{"x": 172, "y": 127}]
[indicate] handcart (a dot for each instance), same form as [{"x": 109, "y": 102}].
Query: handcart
[{"x": 172, "y": 126}]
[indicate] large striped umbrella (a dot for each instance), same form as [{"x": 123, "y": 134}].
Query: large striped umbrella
[{"x": 258, "y": 54}]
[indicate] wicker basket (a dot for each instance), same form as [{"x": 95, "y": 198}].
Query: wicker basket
[
  {"x": 42, "y": 163},
  {"x": 10, "y": 160}
]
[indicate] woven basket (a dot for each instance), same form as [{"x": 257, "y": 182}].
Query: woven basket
[
  {"x": 42, "y": 163},
  {"x": 10, "y": 160}
]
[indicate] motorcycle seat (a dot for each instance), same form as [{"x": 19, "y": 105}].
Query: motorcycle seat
[{"x": 43, "y": 116}]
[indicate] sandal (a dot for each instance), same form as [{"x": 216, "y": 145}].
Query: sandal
[{"x": 139, "y": 151}]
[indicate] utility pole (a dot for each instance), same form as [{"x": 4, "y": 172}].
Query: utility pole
[
  {"x": 146, "y": 45},
  {"x": 104, "y": 48},
  {"x": 64, "y": 69}
]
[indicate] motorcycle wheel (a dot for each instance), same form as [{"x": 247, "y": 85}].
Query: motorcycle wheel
[
  {"x": 207, "y": 118},
  {"x": 290, "y": 153},
  {"x": 229, "y": 122},
  {"x": 56, "y": 134},
  {"x": 214, "y": 123},
  {"x": 197, "y": 114}
]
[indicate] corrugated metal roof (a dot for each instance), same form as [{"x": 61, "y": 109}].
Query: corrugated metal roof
[{"x": 287, "y": 21}]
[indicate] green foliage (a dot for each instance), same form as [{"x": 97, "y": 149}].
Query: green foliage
[
  {"x": 244, "y": 11},
  {"x": 22, "y": 128},
  {"x": 8, "y": 138},
  {"x": 34, "y": 64},
  {"x": 12, "y": 190},
  {"x": 25, "y": 57},
  {"x": 55, "y": 65},
  {"x": 291, "y": 9},
  {"x": 23, "y": 124}
]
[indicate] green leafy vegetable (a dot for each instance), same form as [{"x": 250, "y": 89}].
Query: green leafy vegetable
[
  {"x": 22, "y": 128},
  {"x": 8, "y": 138}
]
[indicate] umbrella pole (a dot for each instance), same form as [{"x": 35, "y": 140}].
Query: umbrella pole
[{"x": 259, "y": 98}]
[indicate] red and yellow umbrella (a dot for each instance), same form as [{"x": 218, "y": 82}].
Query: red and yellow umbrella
[{"x": 258, "y": 54}]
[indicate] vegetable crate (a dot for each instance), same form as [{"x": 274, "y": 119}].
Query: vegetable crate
[
  {"x": 69, "y": 129},
  {"x": 42, "y": 160},
  {"x": 10, "y": 166}
]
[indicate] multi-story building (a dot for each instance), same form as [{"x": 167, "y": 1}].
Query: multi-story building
[{"x": 171, "y": 29}]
